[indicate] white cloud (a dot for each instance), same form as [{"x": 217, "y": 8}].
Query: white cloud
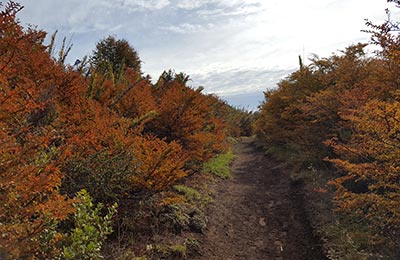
[
  {"x": 146, "y": 4},
  {"x": 223, "y": 44},
  {"x": 241, "y": 5},
  {"x": 236, "y": 81},
  {"x": 187, "y": 28},
  {"x": 191, "y": 4}
]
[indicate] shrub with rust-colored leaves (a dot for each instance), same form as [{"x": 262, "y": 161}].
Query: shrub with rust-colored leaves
[
  {"x": 306, "y": 108},
  {"x": 157, "y": 164},
  {"x": 31, "y": 85},
  {"x": 346, "y": 108},
  {"x": 282, "y": 122},
  {"x": 185, "y": 116},
  {"x": 370, "y": 188}
]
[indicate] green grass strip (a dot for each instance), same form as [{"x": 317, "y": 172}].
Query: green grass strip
[{"x": 219, "y": 165}]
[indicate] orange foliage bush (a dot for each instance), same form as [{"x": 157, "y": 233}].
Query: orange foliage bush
[
  {"x": 113, "y": 133},
  {"x": 184, "y": 116},
  {"x": 158, "y": 164},
  {"x": 31, "y": 83},
  {"x": 282, "y": 121},
  {"x": 306, "y": 108},
  {"x": 370, "y": 188},
  {"x": 346, "y": 108}
]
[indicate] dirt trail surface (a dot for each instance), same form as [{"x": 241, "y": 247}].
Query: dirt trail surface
[{"x": 258, "y": 214}]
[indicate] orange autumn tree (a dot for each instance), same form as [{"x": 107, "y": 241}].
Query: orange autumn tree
[
  {"x": 106, "y": 131},
  {"x": 130, "y": 95},
  {"x": 347, "y": 80},
  {"x": 369, "y": 187},
  {"x": 163, "y": 169},
  {"x": 111, "y": 160},
  {"x": 346, "y": 107},
  {"x": 114, "y": 159},
  {"x": 237, "y": 121},
  {"x": 30, "y": 83},
  {"x": 281, "y": 122},
  {"x": 111, "y": 157},
  {"x": 47, "y": 123},
  {"x": 185, "y": 116},
  {"x": 138, "y": 102},
  {"x": 305, "y": 109}
]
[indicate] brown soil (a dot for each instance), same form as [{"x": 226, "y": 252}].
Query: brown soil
[{"x": 258, "y": 213}]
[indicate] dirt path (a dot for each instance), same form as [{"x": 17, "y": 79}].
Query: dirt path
[{"x": 258, "y": 214}]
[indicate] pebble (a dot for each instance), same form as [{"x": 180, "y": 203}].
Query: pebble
[{"x": 262, "y": 222}]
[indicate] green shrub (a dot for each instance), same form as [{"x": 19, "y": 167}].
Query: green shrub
[
  {"x": 91, "y": 229},
  {"x": 198, "y": 221},
  {"x": 182, "y": 250},
  {"x": 189, "y": 193},
  {"x": 177, "y": 251},
  {"x": 193, "y": 196},
  {"x": 104, "y": 175},
  {"x": 174, "y": 217}
]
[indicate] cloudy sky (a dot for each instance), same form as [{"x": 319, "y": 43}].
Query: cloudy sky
[{"x": 234, "y": 48}]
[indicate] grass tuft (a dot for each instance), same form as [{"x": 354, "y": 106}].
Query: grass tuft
[{"x": 219, "y": 165}]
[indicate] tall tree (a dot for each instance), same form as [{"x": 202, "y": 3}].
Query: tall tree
[{"x": 116, "y": 55}]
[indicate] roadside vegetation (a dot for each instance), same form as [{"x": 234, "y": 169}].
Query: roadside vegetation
[
  {"x": 219, "y": 165},
  {"x": 336, "y": 122},
  {"x": 97, "y": 161}
]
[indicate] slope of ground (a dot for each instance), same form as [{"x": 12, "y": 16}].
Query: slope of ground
[{"x": 258, "y": 213}]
